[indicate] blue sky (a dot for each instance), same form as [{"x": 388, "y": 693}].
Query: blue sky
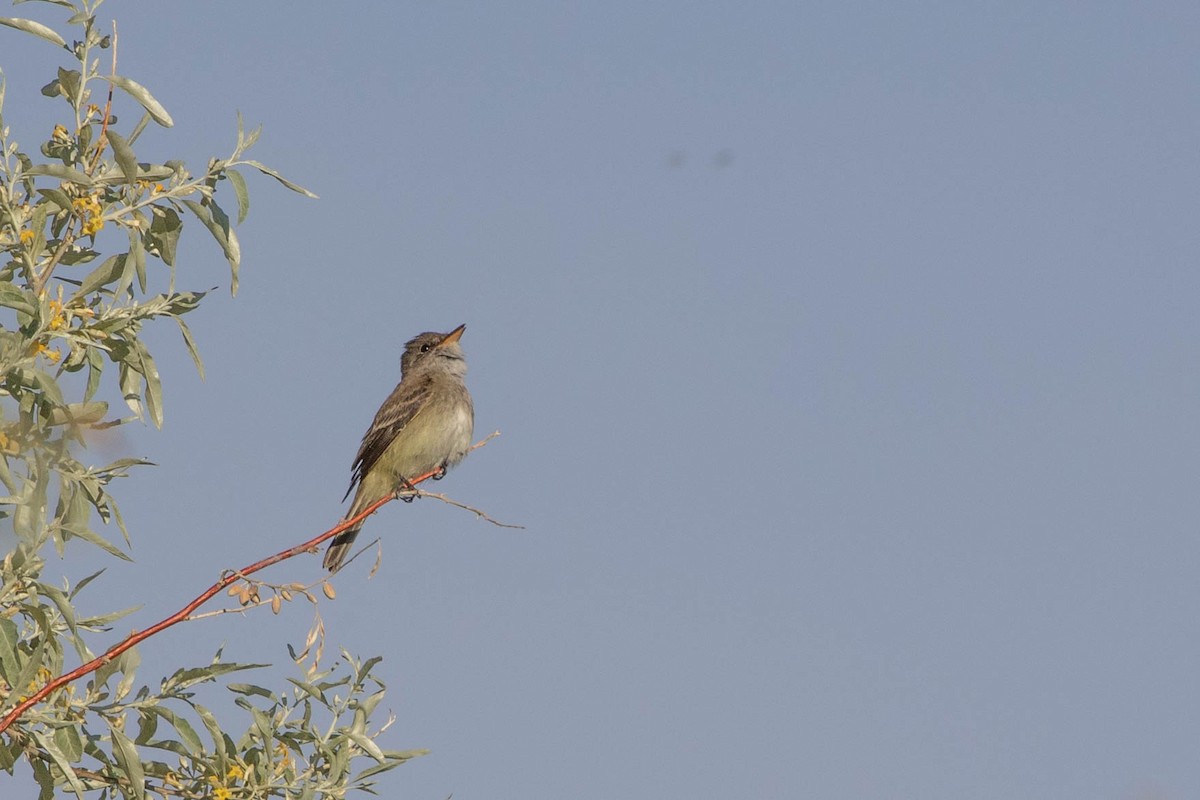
[{"x": 844, "y": 353}]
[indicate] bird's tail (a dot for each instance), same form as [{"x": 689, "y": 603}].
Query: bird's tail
[{"x": 339, "y": 548}]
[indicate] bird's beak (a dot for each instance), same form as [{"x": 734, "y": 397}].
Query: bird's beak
[{"x": 453, "y": 336}]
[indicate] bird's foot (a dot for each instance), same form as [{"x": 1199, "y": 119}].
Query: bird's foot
[{"x": 406, "y": 491}]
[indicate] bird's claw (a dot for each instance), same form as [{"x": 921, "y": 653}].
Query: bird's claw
[{"x": 406, "y": 491}]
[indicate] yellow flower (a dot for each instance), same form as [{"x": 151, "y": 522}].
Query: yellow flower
[
  {"x": 220, "y": 792},
  {"x": 87, "y": 208},
  {"x": 42, "y": 677},
  {"x": 58, "y": 320},
  {"x": 26, "y": 235},
  {"x": 40, "y": 349},
  {"x": 235, "y": 773},
  {"x": 60, "y": 133},
  {"x": 285, "y": 758}
]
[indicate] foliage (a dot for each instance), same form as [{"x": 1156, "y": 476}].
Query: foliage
[{"x": 68, "y": 314}]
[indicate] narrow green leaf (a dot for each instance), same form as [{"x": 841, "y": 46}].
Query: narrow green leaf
[
  {"x": 16, "y": 298},
  {"x": 108, "y": 271},
  {"x": 44, "y": 779},
  {"x": 185, "y": 678},
  {"x": 62, "y": 172},
  {"x": 251, "y": 689},
  {"x": 36, "y": 28},
  {"x": 164, "y": 232},
  {"x": 102, "y": 620},
  {"x": 91, "y": 537},
  {"x": 394, "y": 759},
  {"x": 363, "y": 741},
  {"x": 153, "y": 392},
  {"x": 191, "y": 346},
  {"x": 368, "y": 704},
  {"x": 366, "y": 668},
  {"x": 50, "y": 747},
  {"x": 138, "y": 253},
  {"x": 58, "y": 197},
  {"x": 9, "y": 637},
  {"x": 51, "y": 391},
  {"x": 126, "y": 754},
  {"x": 145, "y": 172},
  {"x": 188, "y": 735},
  {"x": 86, "y": 580},
  {"x": 235, "y": 262},
  {"x": 79, "y": 413},
  {"x": 130, "y": 660},
  {"x": 69, "y": 80},
  {"x": 125, "y": 282},
  {"x": 9, "y": 753},
  {"x": 68, "y": 740},
  {"x": 262, "y": 723},
  {"x": 60, "y": 600},
  {"x": 95, "y": 364},
  {"x": 213, "y": 727},
  {"x": 143, "y": 96},
  {"x": 222, "y": 233},
  {"x": 141, "y": 126},
  {"x": 265, "y": 170},
  {"x": 130, "y": 381},
  {"x": 310, "y": 690},
  {"x": 123, "y": 153},
  {"x": 243, "y": 196},
  {"x": 147, "y": 725}
]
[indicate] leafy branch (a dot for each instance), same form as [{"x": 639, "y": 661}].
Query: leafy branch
[
  {"x": 227, "y": 580},
  {"x": 89, "y": 239}
]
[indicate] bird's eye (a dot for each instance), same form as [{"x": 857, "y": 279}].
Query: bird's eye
[{"x": 425, "y": 348}]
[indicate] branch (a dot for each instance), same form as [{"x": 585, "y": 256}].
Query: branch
[
  {"x": 229, "y": 578},
  {"x": 465, "y": 507}
]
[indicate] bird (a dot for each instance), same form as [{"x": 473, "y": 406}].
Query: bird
[{"x": 424, "y": 425}]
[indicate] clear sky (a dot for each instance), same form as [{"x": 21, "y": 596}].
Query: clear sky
[{"x": 845, "y": 356}]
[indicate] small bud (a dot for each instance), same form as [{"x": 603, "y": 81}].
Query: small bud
[
  {"x": 276, "y": 604},
  {"x": 328, "y": 590}
]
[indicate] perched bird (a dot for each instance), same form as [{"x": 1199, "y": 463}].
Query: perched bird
[{"x": 425, "y": 425}]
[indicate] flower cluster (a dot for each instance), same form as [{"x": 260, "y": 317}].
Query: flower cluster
[{"x": 87, "y": 208}]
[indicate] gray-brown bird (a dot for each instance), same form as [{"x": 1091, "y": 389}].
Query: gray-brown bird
[{"x": 424, "y": 425}]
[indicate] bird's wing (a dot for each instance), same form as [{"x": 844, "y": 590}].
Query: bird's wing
[{"x": 396, "y": 412}]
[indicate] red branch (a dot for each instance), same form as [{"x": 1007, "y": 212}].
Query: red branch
[{"x": 183, "y": 613}]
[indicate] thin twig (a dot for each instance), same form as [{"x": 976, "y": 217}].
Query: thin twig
[
  {"x": 465, "y": 507},
  {"x": 102, "y": 140},
  {"x": 229, "y": 578}
]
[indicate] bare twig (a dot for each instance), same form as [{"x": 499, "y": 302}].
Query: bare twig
[
  {"x": 102, "y": 140},
  {"x": 465, "y": 507}
]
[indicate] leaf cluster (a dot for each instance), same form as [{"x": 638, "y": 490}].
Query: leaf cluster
[{"x": 89, "y": 244}]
